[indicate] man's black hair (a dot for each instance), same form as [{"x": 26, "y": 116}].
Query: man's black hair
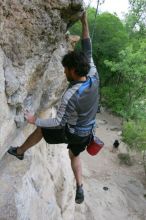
[{"x": 78, "y": 61}]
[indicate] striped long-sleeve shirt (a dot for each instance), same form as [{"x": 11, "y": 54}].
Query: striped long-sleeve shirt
[{"x": 79, "y": 103}]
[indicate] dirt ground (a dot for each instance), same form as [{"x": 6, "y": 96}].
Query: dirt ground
[{"x": 113, "y": 191}]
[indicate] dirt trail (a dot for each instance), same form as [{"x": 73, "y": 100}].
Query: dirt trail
[{"x": 123, "y": 198}]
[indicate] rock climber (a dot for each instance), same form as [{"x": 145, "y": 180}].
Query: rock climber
[{"x": 75, "y": 118}]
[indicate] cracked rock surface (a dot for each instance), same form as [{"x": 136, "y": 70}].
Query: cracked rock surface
[{"x": 32, "y": 44}]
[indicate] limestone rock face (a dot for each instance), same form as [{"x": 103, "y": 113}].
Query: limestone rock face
[{"x": 32, "y": 43}]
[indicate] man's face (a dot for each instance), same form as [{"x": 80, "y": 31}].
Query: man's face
[{"x": 69, "y": 74}]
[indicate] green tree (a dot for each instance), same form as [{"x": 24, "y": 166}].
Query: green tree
[
  {"x": 129, "y": 83},
  {"x": 136, "y": 19},
  {"x": 110, "y": 37}
]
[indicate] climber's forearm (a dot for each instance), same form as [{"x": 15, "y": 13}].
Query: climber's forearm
[{"x": 85, "y": 28}]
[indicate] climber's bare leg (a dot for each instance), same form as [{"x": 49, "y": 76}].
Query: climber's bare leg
[
  {"x": 32, "y": 140},
  {"x": 76, "y": 167}
]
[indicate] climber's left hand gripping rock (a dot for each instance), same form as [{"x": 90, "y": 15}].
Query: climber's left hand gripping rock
[{"x": 30, "y": 117}]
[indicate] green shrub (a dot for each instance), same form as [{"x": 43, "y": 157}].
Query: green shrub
[
  {"x": 125, "y": 159},
  {"x": 134, "y": 134},
  {"x": 113, "y": 97}
]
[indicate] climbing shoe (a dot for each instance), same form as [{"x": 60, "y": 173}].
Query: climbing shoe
[
  {"x": 13, "y": 151},
  {"x": 79, "y": 194}
]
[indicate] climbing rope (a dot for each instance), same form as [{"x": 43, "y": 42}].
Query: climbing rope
[{"x": 98, "y": 3}]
